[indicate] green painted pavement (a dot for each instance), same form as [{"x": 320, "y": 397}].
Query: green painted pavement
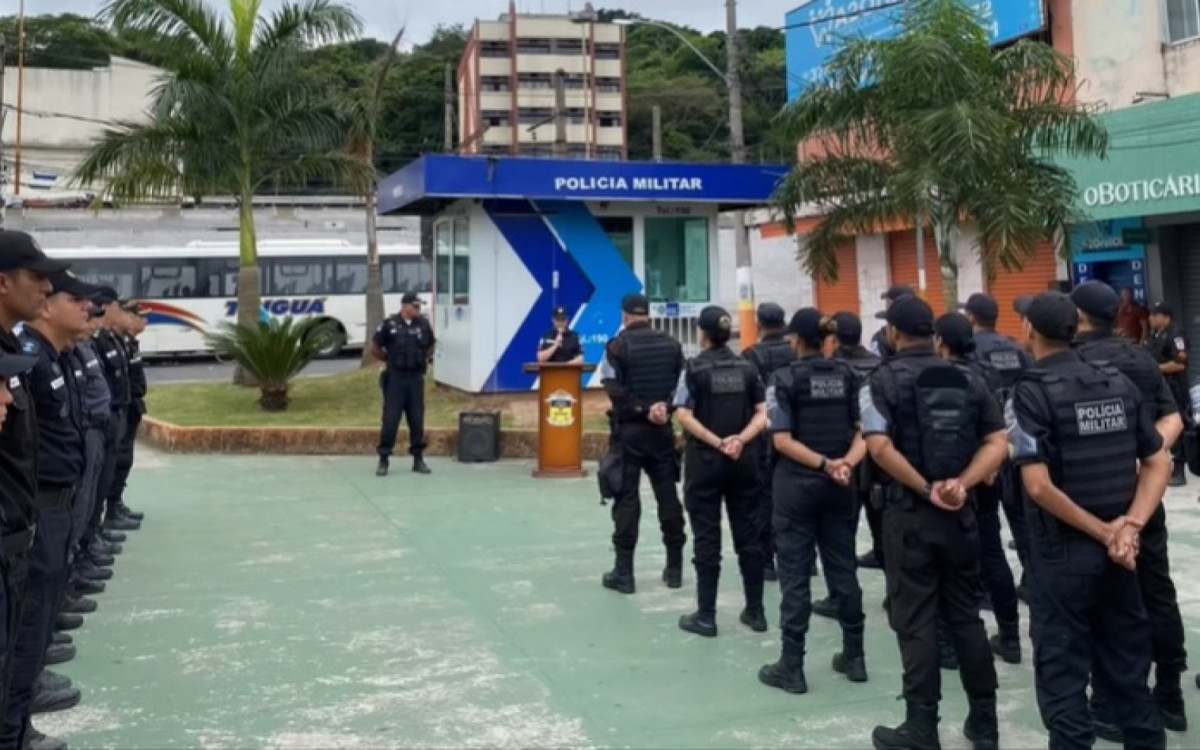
[{"x": 301, "y": 602}]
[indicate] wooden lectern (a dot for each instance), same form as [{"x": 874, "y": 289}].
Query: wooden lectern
[{"x": 560, "y": 419}]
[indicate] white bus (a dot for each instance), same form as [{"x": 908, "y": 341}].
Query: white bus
[{"x": 189, "y": 290}]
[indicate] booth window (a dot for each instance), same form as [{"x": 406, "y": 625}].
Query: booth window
[
  {"x": 443, "y": 244},
  {"x": 461, "y": 284},
  {"x": 620, "y": 233},
  {"x": 677, "y": 259},
  {"x": 1183, "y": 20}
]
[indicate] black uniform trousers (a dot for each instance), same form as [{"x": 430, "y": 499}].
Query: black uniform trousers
[
  {"x": 647, "y": 448},
  {"x": 114, "y": 433},
  {"x": 1012, "y": 501},
  {"x": 1162, "y": 608},
  {"x": 46, "y": 585},
  {"x": 766, "y": 536},
  {"x": 1087, "y": 619},
  {"x": 874, "y": 515},
  {"x": 994, "y": 570},
  {"x": 711, "y": 480},
  {"x": 14, "y": 547},
  {"x": 403, "y": 395},
  {"x": 124, "y": 462},
  {"x": 812, "y": 513},
  {"x": 932, "y": 567}
]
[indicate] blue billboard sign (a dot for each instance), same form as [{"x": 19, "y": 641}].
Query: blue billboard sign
[
  {"x": 816, "y": 29},
  {"x": 1099, "y": 251}
]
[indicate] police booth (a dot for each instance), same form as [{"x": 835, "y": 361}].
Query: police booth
[{"x": 515, "y": 237}]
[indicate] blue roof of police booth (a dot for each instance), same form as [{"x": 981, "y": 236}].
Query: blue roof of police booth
[{"x": 425, "y": 185}]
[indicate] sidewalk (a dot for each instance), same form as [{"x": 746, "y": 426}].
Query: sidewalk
[{"x": 301, "y": 602}]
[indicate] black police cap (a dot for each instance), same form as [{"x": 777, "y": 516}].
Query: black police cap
[
  {"x": 771, "y": 314},
  {"x": 715, "y": 321},
  {"x": 560, "y": 313},
  {"x": 911, "y": 315},
  {"x": 19, "y": 250},
  {"x": 1161, "y": 308},
  {"x": 411, "y": 298},
  {"x": 1052, "y": 314},
  {"x": 849, "y": 328},
  {"x": 982, "y": 306},
  {"x": 65, "y": 282},
  {"x": 898, "y": 291},
  {"x": 1097, "y": 299},
  {"x": 635, "y": 304},
  {"x": 806, "y": 324},
  {"x": 954, "y": 329}
]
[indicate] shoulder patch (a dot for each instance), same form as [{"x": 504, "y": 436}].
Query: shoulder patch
[{"x": 29, "y": 346}]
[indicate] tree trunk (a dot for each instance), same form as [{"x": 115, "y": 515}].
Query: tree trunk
[
  {"x": 945, "y": 232},
  {"x": 274, "y": 398},
  {"x": 249, "y": 287},
  {"x": 374, "y": 297}
]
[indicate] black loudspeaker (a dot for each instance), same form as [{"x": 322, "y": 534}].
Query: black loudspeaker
[{"x": 478, "y": 436}]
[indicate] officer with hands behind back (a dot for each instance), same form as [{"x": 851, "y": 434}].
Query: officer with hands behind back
[
  {"x": 406, "y": 343},
  {"x": 812, "y": 406},
  {"x": 722, "y": 407},
  {"x": 1079, "y": 435},
  {"x": 1169, "y": 347},
  {"x": 937, "y": 433}
]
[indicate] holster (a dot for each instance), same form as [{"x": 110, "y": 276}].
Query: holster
[
  {"x": 896, "y": 494},
  {"x": 611, "y": 476}
]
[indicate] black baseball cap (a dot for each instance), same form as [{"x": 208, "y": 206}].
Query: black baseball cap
[
  {"x": 771, "y": 314},
  {"x": 898, "y": 291},
  {"x": 105, "y": 295},
  {"x": 954, "y": 329},
  {"x": 806, "y": 324},
  {"x": 560, "y": 313},
  {"x": 1052, "y": 314},
  {"x": 1097, "y": 299},
  {"x": 1161, "y": 308},
  {"x": 715, "y": 320},
  {"x": 15, "y": 364},
  {"x": 65, "y": 282},
  {"x": 911, "y": 315},
  {"x": 982, "y": 306},
  {"x": 97, "y": 311},
  {"x": 849, "y": 328},
  {"x": 20, "y": 250},
  {"x": 635, "y": 304},
  {"x": 1020, "y": 303},
  {"x": 411, "y": 298}
]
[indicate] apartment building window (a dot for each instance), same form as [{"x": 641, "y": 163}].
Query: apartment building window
[
  {"x": 532, "y": 46},
  {"x": 576, "y": 116},
  {"x": 610, "y": 119},
  {"x": 577, "y": 151},
  {"x": 609, "y": 153},
  {"x": 537, "y": 152},
  {"x": 535, "y": 81},
  {"x": 497, "y": 118},
  {"x": 608, "y": 85},
  {"x": 608, "y": 51},
  {"x": 575, "y": 81},
  {"x": 1183, "y": 20},
  {"x": 495, "y": 83},
  {"x": 534, "y": 115},
  {"x": 568, "y": 46},
  {"x": 493, "y": 49},
  {"x": 497, "y": 150}
]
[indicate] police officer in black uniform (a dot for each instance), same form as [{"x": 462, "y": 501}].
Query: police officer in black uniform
[
  {"x": 771, "y": 353},
  {"x": 812, "y": 406},
  {"x": 879, "y": 342},
  {"x": 134, "y": 325},
  {"x": 406, "y": 343},
  {"x": 640, "y": 369},
  {"x": 1169, "y": 347},
  {"x": 560, "y": 343},
  {"x": 936, "y": 432},
  {"x": 1078, "y": 432},
  {"x": 722, "y": 407},
  {"x": 115, "y": 361},
  {"x": 955, "y": 342},
  {"x": 1096, "y": 343}
]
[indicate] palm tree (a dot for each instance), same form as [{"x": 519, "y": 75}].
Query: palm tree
[
  {"x": 363, "y": 133},
  {"x": 274, "y": 352},
  {"x": 934, "y": 125},
  {"x": 230, "y": 114}
]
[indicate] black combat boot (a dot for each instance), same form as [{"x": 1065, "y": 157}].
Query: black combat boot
[
  {"x": 52, "y": 681},
  {"x": 419, "y": 464},
  {"x": 870, "y": 561},
  {"x": 673, "y": 573},
  {"x": 381, "y": 469},
  {"x": 79, "y": 605},
  {"x": 704, "y": 620},
  {"x": 1178, "y": 475},
  {"x": 1168, "y": 694},
  {"x": 753, "y": 615},
  {"x": 1007, "y": 643},
  {"x": 112, "y": 536},
  {"x": 120, "y": 523},
  {"x": 787, "y": 674},
  {"x": 851, "y": 661},
  {"x": 620, "y": 578},
  {"x": 981, "y": 726},
  {"x": 827, "y": 607},
  {"x": 35, "y": 740},
  {"x": 755, "y": 619},
  {"x": 918, "y": 732},
  {"x": 124, "y": 510},
  {"x": 59, "y": 653}
]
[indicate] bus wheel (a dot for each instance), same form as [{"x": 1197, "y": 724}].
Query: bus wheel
[{"x": 337, "y": 344}]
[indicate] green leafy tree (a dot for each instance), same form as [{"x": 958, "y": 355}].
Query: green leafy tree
[
  {"x": 230, "y": 115},
  {"x": 274, "y": 352},
  {"x": 935, "y": 125}
]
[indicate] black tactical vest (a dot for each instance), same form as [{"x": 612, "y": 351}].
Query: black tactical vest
[
  {"x": 771, "y": 355},
  {"x": 1095, "y": 433},
  {"x": 862, "y": 360},
  {"x": 651, "y": 364},
  {"x": 1130, "y": 360},
  {"x": 116, "y": 367},
  {"x": 1003, "y": 355},
  {"x": 722, "y": 392},
  {"x": 938, "y": 424},
  {"x": 407, "y": 350},
  {"x": 822, "y": 395}
]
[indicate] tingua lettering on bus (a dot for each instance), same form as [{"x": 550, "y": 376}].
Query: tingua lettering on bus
[
  {"x": 310, "y": 306},
  {"x": 651, "y": 184},
  {"x": 1138, "y": 191}
]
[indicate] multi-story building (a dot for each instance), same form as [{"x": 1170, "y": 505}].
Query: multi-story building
[{"x": 507, "y": 91}]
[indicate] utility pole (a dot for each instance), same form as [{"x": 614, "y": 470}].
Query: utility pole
[
  {"x": 448, "y": 138},
  {"x": 16, "y": 176},
  {"x": 656, "y": 131},
  {"x": 737, "y": 147},
  {"x": 560, "y": 113},
  {"x": 3, "y": 116}
]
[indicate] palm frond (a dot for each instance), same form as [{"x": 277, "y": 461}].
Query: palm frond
[
  {"x": 307, "y": 23},
  {"x": 276, "y": 351},
  {"x": 185, "y": 24}
]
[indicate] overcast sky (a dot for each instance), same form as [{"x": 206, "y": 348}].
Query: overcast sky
[{"x": 384, "y": 17}]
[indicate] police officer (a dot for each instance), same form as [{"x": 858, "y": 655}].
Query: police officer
[
  {"x": 115, "y": 362},
  {"x": 813, "y": 411},
  {"x": 936, "y": 433},
  {"x": 1169, "y": 347},
  {"x": 879, "y": 342},
  {"x": 60, "y": 466},
  {"x": 639, "y": 371},
  {"x": 134, "y": 325},
  {"x": 1078, "y": 432},
  {"x": 771, "y": 353},
  {"x": 406, "y": 343},
  {"x": 722, "y": 408},
  {"x": 955, "y": 342},
  {"x": 560, "y": 343},
  {"x": 1096, "y": 343}
]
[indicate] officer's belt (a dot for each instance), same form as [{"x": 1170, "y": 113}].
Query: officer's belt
[
  {"x": 53, "y": 498},
  {"x": 18, "y": 542}
]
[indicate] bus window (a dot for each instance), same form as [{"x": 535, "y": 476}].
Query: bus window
[
  {"x": 121, "y": 275},
  {"x": 407, "y": 275},
  {"x": 298, "y": 276},
  {"x": 351, "y": 276},
  {"x": 218, "y": 278},
  {"x": 167, "y": 278}
]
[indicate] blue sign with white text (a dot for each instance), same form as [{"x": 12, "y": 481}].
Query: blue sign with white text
[
  {"x": 1099, "y": 252},
  {"x": 816, "y": 29}
]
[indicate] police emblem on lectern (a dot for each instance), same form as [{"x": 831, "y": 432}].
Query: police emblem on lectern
[{"x": 561, "y": 411}]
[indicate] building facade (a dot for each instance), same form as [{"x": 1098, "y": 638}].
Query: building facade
[{"x": 507, "y": 87}]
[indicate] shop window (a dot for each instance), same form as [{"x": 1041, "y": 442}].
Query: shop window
[
  {"x": 620, "y": 232},
  {"x": 1183, "y": 20},
  {"x": 677, "y": 259}
]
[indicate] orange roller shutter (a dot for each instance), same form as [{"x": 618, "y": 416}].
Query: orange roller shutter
[
  {"x": 841, "y": 296},
  {"x": 1038, "y": 275},
  {"x": 902, "y": 265}
]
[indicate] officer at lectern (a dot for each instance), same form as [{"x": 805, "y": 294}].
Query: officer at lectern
[{"x": 560, "y": 345}]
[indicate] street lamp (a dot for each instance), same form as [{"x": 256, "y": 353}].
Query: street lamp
[{"x": 679, "y": 35}]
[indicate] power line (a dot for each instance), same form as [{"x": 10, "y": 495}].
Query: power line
[{"x": 841, "y": 16}]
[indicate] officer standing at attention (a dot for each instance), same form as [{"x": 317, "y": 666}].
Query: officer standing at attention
[
  {"x": 771, "y": 353},
  {"x": 406, "y": 343},
  {"x": 722, "y": 407},
  {"x": 879, "y": 342},
  {"x": 955, "y": 343},
  {"x": 937, "y": 433},
  {"x": 1169, "y": 347},
  {"x": 1078, "y": 432},
  {"x": 135, "y": 324},
  {"x": 1096, "y": 343},
  {"x": 812, "y": 406},
  {"x": 560, "y": 343},
  {"x": 640, "y": 369}
]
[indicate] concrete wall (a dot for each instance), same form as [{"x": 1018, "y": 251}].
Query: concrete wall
[{"x": 777, "y": 274}]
